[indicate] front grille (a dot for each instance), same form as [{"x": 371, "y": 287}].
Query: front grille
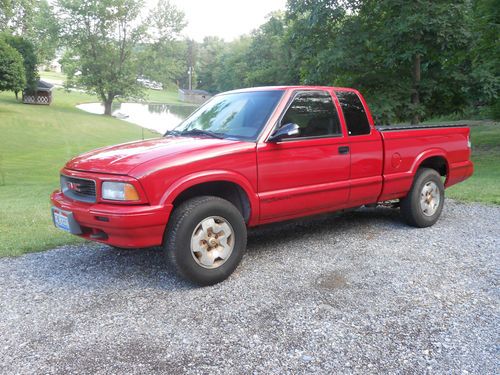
[{"x": 79, "y": 189}]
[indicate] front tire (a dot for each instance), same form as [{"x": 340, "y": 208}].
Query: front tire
[
  {"x": 423, "y": 205},
  {"x": 205, "y": 239}
]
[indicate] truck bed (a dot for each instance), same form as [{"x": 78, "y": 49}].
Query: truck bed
[{"x": 406, "y": 146}]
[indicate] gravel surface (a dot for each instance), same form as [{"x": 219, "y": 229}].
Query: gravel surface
[{"x": 357, "y": 293}]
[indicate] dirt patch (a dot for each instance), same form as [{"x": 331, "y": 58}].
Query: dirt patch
[{"x": 332, "y": 280}]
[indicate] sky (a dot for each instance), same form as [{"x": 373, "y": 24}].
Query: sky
[{"x": 227, "y": 19}]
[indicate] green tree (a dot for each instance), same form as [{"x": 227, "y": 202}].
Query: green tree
[
  {"x": 17, "y": 16},
  {"x": 210, "y": 53},
  {"x": 45, "y": 31},
  {"x": 27, "y": 51},
  {"x": 423, "y": 34},
  {"x": 313, "y": 31},
  {"x": 484, "y": 56},
  {"x": 6, "y": 13},
  {"x": 402, "y": 54},
  {"x": 102, "y": 37},
  {"x": 166, "y": 21},
  {"x": 233, "y": 67},
  {"x": 163, "y": 55},
  {"x": 270, "y": 55},
  {"x": 33, "y": 20},
  {"x": 163, "y": 62},
  {"x": 262, "y": 58},
  {"x": 12, "y": 76}
]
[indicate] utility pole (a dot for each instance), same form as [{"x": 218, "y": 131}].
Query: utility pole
[
  {"x": 191, "y": 57},
  {"x": 190, "y": 76}
]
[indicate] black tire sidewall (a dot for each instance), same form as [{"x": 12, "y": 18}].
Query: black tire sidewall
[
  {"x": 419, "y": 218},
  {"x": 180, "y": 242}
]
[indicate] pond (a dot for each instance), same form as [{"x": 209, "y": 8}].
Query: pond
[{"x": 153, "y": 116}]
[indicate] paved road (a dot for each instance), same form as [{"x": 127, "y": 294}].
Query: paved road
[{"x": 359, "y": 293}]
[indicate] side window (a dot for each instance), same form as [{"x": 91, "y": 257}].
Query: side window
[
  {"x": 354, "y": 113},
  {"x": 315, "y": 114}
]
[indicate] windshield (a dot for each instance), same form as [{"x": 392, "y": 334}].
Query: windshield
[{"x": 240, "y": 115}]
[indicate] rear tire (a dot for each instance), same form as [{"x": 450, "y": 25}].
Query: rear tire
[
  {"x": 205, "y": 239},
  {"x": 423, "y": 205}
]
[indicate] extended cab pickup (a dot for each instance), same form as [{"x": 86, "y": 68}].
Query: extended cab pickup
[{"x": 250, "y": 157}]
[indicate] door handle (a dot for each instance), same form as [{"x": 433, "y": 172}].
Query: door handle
[{"x": 343, "y": 149}]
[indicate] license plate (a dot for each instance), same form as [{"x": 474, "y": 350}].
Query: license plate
[{"x": 61, "y": 220}]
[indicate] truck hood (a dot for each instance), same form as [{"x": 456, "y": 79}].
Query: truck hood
[{"x": 122, "y": 159}]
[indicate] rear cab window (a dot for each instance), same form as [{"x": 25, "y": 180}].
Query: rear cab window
[{"x": 354, "y": 113}]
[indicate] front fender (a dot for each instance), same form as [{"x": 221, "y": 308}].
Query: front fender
[{"x": 197, "y": 178}]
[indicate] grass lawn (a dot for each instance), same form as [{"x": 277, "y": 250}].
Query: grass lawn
[
  {"x": 163, "y": 96},
  {"x": 484, "y": 185},
  {"x": 35, "y": 143},
  {"x": 52, "y": 76}
]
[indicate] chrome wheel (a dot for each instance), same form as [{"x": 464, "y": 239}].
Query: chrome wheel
[
  {"x": 212, "y": 242},
  {"x": 430, "y": 197}
]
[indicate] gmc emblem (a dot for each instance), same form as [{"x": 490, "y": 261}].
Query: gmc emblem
[{"x": 73, "y": 186}]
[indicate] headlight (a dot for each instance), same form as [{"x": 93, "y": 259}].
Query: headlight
[{"x": 119, "y": 191}]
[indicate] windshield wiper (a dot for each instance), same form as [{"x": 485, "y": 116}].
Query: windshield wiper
[
  {"x": 175, "y": 133},
  {"x": 202, "y": 132}
]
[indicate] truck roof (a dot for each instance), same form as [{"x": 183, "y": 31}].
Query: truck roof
[{"x": 303, "y": 87}]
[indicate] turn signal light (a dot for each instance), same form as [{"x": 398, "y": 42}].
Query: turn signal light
[{"x": 130, "y": 193}]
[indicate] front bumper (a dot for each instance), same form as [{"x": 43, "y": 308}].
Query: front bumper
[{"x": 117, "y": 225}]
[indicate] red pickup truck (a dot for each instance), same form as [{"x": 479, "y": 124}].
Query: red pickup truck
[{"x": 250, "y": 157}]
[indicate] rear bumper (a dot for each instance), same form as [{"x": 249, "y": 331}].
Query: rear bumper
[{"x": 117, "y": 225}]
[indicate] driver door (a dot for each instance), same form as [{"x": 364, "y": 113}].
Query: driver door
[{"x": 308, "y": 173}]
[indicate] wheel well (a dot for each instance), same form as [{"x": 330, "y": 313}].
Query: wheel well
[
  {"x": 223, "y": 189},
  {"x": 437, "y": 163}
]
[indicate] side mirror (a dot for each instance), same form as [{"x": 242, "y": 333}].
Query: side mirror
[{"x": 287, "y": 130}]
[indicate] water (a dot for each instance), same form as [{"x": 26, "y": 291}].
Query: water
[{"x": 156, "y": 117}]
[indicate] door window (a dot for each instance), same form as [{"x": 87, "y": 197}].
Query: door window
[
  {"x": 354, "y": 113},
  {"x": 314, "y": 113}
]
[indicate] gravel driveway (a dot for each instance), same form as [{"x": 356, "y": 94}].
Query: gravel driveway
[{"x": 357, "y": 293}]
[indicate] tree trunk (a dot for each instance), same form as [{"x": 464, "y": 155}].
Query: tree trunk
[
  {"x": 17, "y": 95},
  {"x": 107, "y": 105},
  {"x": 415, "y": 92}
]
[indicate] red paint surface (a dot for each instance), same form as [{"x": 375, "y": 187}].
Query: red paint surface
[{"x": 282, "y": 180}]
